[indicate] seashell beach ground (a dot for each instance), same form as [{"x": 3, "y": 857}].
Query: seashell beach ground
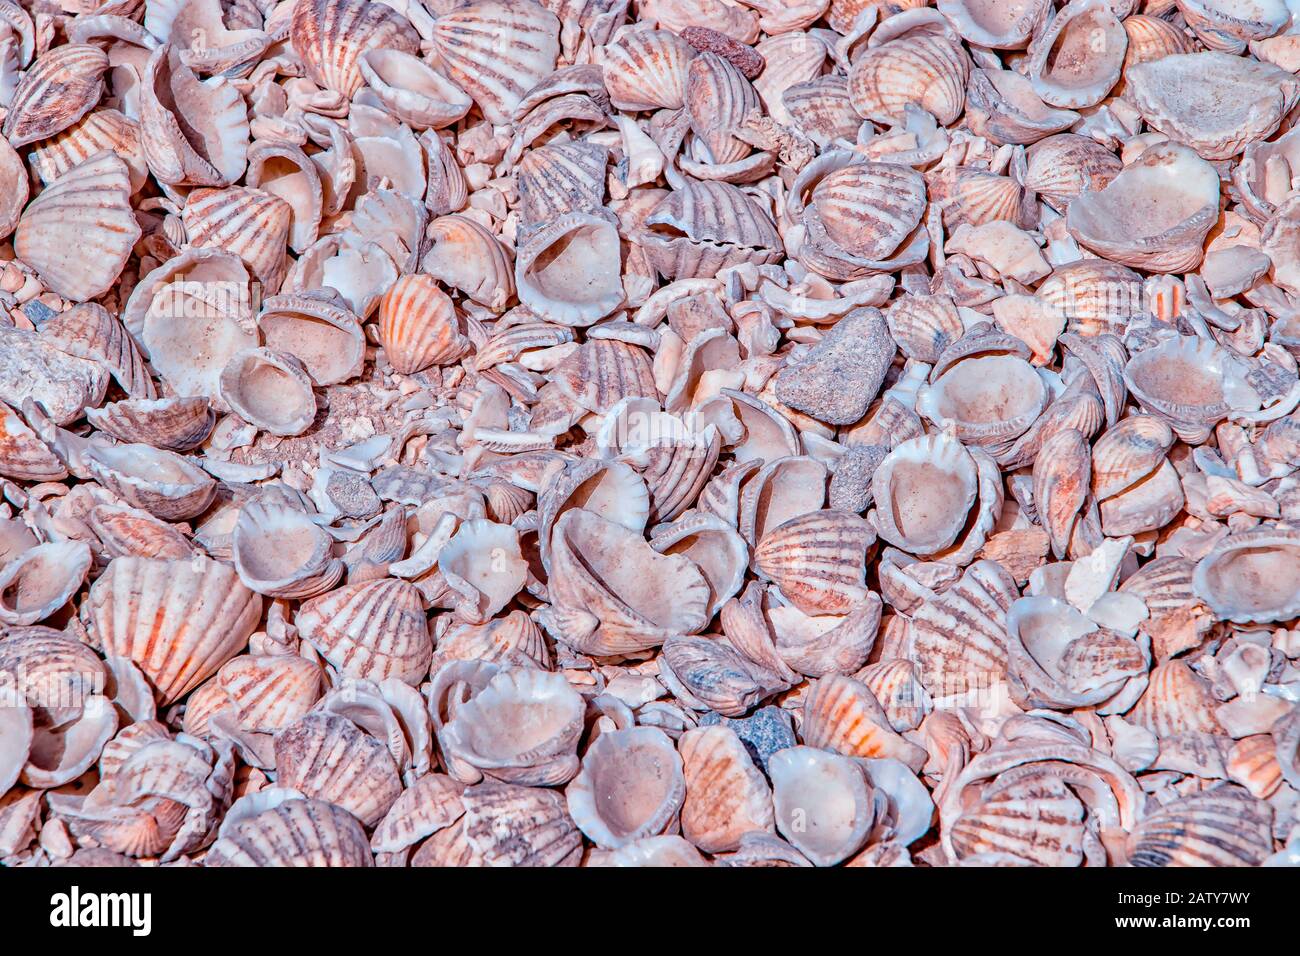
[{"x": 666, "y": 432}]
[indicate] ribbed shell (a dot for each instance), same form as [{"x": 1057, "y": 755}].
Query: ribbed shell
[
  {"x": 959, "y": 636},
  {"x": 822, "y": 109},
  {"x": 509, "y": 825},
  {"x": 924, "y": 325},
  {"x": 331, "y": 35},
  {"x": 327, "y": 757},
  {"x": 177, "y": 424},
  {"x": 1176, "y": 701},
  {"x": 22, "y": 454},
  {"x": 1096, "y": 296},
  {"x": 417, "y": 325},
  {"x": 295, "y": 833},
  {"x": 726, "y": 795},
  {"x": 179, "y": 621},
  {"x": 1253, "y": 763},
  {"x": 818, "y": 560},
  {"x": 374, "y": 630},
  {"x": 101, "y": 130},
  {"x": 928, "y": 70},
  {"x": 843, "y": 13},
  {"x": 79, "y": 232},
  {"x": 270, "y": 692},
  {"x": 1063, "y": 166},
  {"x": 497, "y": 51},
  {"x": 560, "y": 178},
  {"x": 248, "y": 222},
  {"x": 868, "y": 209},
  {"x": 1127, "y": 453},
  {"x": 723, "y": 226},
  {"x": 717, "y": 98},
  {"x": 466, "y": 256},
  {"x": 1252, "y": 576},
  {"x": 1038, "y": 820},
  {"x": 1151, "y": 38},
  {"x": 1224, "y": 826},
  {"x": 1062, "y": 473},
  {"x": 647, "y": 70},
  {"x": 318, "y": 330},
  {"x": 604, "y": 372},
  {"x": 122, "y": 530},
  {"x": 841, "y": 714},
  {"x": 61, "y": 87},
  {"x": 89, "y": 331}
]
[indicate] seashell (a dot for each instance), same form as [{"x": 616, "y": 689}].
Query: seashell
[
  {"x": 1061, "y": 167},
  {"x": 866, "y": 209},
  {"x": 15, "y": 743},
  {"x": 270, "y": 390},
  {"x": 959, "y": 636},
  {"x": 999, "y": 26},
  {"x": 40, "y": 581},
  {"x": 523, "y": 728},
  {"x": 22, "y": 454},
  {"x": 123, "y": 530},
  {"x": 611, "y": 490},
  {"x": 1062, "y": 474},
  {"x": 1212, "y": 102},
  {"x": 1004, "y": 107},
  {"x": 709, "y": 674},
  {"x": 825, "y": 644},
  {"x": 928, "y": 70},
  {"x": 1079, "y": 56},
  {"x": 17, "y": 189},
  {"x": 496, "y": 51},
  {"x": 508, "y": 825},
  {"x": 603, "y": 372},
  {"x": 714, "y": 546},
  {"x": 282, "y": 553},
  {"x": 327, "y": 757},
  {"x": 330, "y": 36},
  {"x": 1152, "y": 38},
  {"x": 179, "y": 621},
  {"x": 1223, "y": 826},
  {"x": 1096, "y": 296},
  {"x": 79, "y": 232},
  {"x": 294, "y": 832},
  {"x": 1127, "y": 453},
  {"x": 193, "y": 132},
  {"x": 61, "y": 87},
  {"x": 1176, "y": 701},
  {"x": 1189, "y": 382},
  {"x": 726, "y": 795},
  {"x": 1226, "y": 25},
  {"x": 466, "y": 256},
  {"x": 176, "y": 424},
  {"x": 924, "y": 490},
  {"x": 483, "y": 563},
  {"x": 818, "y": 560},
  {"x": 717, "y": 98},
  {"x": 984, "y": 399},
  {"x": 285, "y": 172},
  {"x": 631, "y": 786},
  {"x": 705, "y": 227},
  {"x": 605, "y": 585},
  {"x": 969, "y": 196},
  {"x": 894, "y": 685},
  {"x": 372, "y": 630},
  {"x": 319, "y": 331},
  {"x": 252, "y": 224},
  {"x": 647, "y": 70},
  {"x": 841, "y": 714},
  {"x": 412, "y": 90},
  {"x": 33, "y": 369},
  {"x": 824, "y": 805},
  {"x": 430, "y": 804},
  {"x": 659, "y": 851},
  {"x": 1253, "y": 764},
  {"x": 923, "y": 326},
  {"x": 1247, "y": 577},
  {"x": 417, "y": 325},
  {"x": 822, "y": 109},
  {"x": 167, "y": 485},
  {"x": 567, "y": 271},
  {"x": 1178, "y": 194},
  {"x": 269, "y": 692}
]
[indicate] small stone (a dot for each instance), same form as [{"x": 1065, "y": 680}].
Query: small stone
[
  {"x": 763, "y": 732},
  {"x": 836, "y": 381},
  {"x": 352, "y": 494},
  {"x": 851, "y": 477},
  {"x": 744, "y": 58}
]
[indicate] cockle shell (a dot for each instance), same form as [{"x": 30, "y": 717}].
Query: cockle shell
[
  {"x": 79, "y": 232},
  {"x": 841, "y": 714},
  {"x": 986, "y": 398},
  {"x": 818, "y": 560},
  {"x": 929, "y": 71},
  {"x": 269, "y": 692},
  {"x": 508, "y": 825},
  {"x": 631, "y": 786},
  {"x": 374, "y": 629},
  {"x": 923, "y": 490},
  {"x": 1003, "y": 106},
  {"x": 1061, "y": 475},
  {"x": 1224, "y": 826},
  {"x": 177, "y": 620},
  {"x": 567, "y": 270},
  {"x": 22, "y": 453},
  {"x": 705, "y": 227},
  {"x": 252, "y": 224},
  {"x": 1127, "y": 453},
  {"x": 163, "y": 483},
  {"x": 464, "y": 255},
  {"x": 994, "y": 24},
  {"x": 823, "y": 802},
  {"x": 417, "y": 325},
  {"x": 269, "y": 389},
  {"x": 295, "y": 832},
  {"x": 123, "y": 530},
  {"x": 1063, "y": 166},
  {"x": 331, "y": 35},
  {"x": 40, "y": 581},
  {"x": 482, "y": 562},
  {"x": 412, "y": 90},
  {"x": 646, "y": 69},
  {"x": 1189, "y": 382},
  {"x": 176, "y": 424},
  {"x": 726, "y": 795},
  {"x": 1079, "y": 56},
  {"x": 286, "y": 172},
  {"x": 717, "y": 98},
  {"x": 281, "y": 553},
  {"x": 318, "y": 330},
  {"x": 959, "y": 636},
  {"x": 61, "y": 87},
  {"x": 1249, "y": 577},
  {"x": 327, "y": 757}
]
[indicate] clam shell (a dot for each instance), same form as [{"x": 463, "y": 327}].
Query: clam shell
[
  {"x": 603, "y": 372},
  {"x": 1062, "y": 474},
  {"x": 782, "y": 489},
  {"x": 297, "y": 832},
  {"x": 331, "y": 35},
  {"x": 567, "y": 270},
  {"x": 79, "y": 232},
  {"x": 717, "y": 98},
  {"x": 924, "y": 490},
  {"x": 631, "y": 786},
  {"x": 61, "y": 87},
  {"x": 1127, "y": 453},
  {"x": 726, "y": 795},
  {"x": 1224, "y": 826},
  {"x": 286, "y": 172},
  {"x": 894, "y": 685},
  {"x": 823, "y": 803},
  {"x": 708, "y": 226},
  {"x": 373, "y": 630},
  {"x": 928, "y": 70},
  {"x": 818, "y": 560},
  {"x": 1078, "y": 58},
  {"x": 22, "y": 454},
  {"x": 1189, "y": 382},
  {"x": 176, "y": 424},
  {"x": 507, "y": 825},
  {"x": 959, "y": 636},
  {"x": 327, "y": 757},
  {"x": 559, "y": 179},
  {"x": 1251, "y": 577},
  {"x": 179, "y": 621},
  {"x": 269, "y": 389},
  {"x": 412, "y": 90},
  {"x": 1149, "y": 504},
  {"x": 1003, "y": 106},
  {"x": 1063, "y": 166},
  {"x": 163, "y": 483},
  {"x": 1151, "y": 38},
  {"x": 41, "y": 580},
  {"x": 252, "y": 224},
  {"x": 841, "y": 714},
  {"x": 281, "y": 553},
  {"x": 867, "y": 209},
  {"x": 430, "y": 804},
  {"x": 1227, "y": 25},
  {"x": 995, "y": 24},
  {"x": 319, "y": 331},
  {"x": 16, "y": 189},
  {"x": 717, "y": 550},
  {"x": 465, "y": 256},
  {"x": 122, "y": 530},
  {"x": 822, "y": 109},
  {"x": 497, "y": 51},
  {"x": 647, "y": 70},
  {"x": 1096, "y": 296}
]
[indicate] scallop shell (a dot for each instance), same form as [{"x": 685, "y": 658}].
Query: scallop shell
[
  {"x": 1127, "y": 453},
  {"x": 282, "y": 553},
  {"x": 717, "y": 98},
  {"x": 252, "y": 224},
  {"x": 176, "y": 424},
  {"x": 1250, "y": 577},
  {"x": 465, "y": 256},
  {"x": 782, "y": 489},
  {"x": 818, "y": 560},
  {"x": 61, "y": 87},
  {"x": 296, "y": 832},
  {"x": 823, "y": 803},
  {"x": 373, "y": 630},
  {"x": 497, "y": 51},
  {"x": 507, "y": 825},
  {"x": 1063, "y": 166},
  {"x": 985, "y": 399},
  {"x": 22, "y": 454},
  {"x": 894, "y": 685},
  {"x": 270, "y": 390},
  {"x": 1062, "y": 474},
  {"x": 924, "y": 490},
  {"x": 567, "y": 270},
  {"x": 41, "y": 580},
  {"x": 417, "y": 325},
  {"x": 1188, "y": 382},
  {"x": 715, "y": 547},
  {"x": 331, "y": 35},
  {"x": 35, "y": 370},
  {"x": 822, "y": 109},
  {"x": 432, "y": 803},
  {"x": 929, "y": 70},
  {"x": 79, "y": 232},
  {"x": 959, "y": 636},
  {"x": 993, "y": 23},
  {"x": 841, "y": 714},
  {"x": 327, "y": 757},
  {"x": 706, "y": 227},
  {"x": 412, "y": 90},
  {"x": 612, "y": 490},
  {"x": 726, "y": 795},
  {"x": 179, "y": 621},
  {"x": 1149, "y": 504},
  {"x": 1079, "y": 57},
  {"x": 1224, "y": 826},
  {"x": 923, "y": 326},
  {"x": 647, "y": 70},
  {"x": 631, "y": 786}
]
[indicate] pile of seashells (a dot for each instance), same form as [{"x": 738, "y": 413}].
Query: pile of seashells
[{"x": 667, "y": 432}]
